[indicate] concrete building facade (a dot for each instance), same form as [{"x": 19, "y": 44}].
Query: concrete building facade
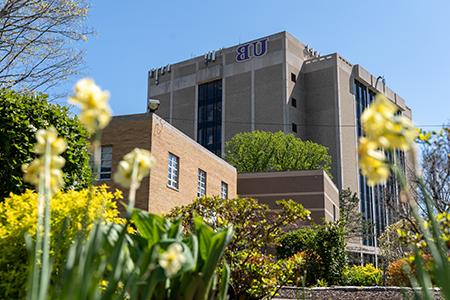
[
  {"x": 277, "y": 83},
  {"x": 183, "y": 170}
]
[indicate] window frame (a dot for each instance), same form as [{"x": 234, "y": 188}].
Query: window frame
[
  {"x": 293, "y": 102},
  {"x": 202, "y": 178},
  {"x": 173, "y": 171},
  {"x": 223, "y": 195},
  {"x": 293, "y": 77},
  {"x": 294, "y": 127},
  {"x": 98, "y": 172}
]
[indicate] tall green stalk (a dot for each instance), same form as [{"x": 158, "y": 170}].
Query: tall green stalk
[{"x": 41, "y": 268}]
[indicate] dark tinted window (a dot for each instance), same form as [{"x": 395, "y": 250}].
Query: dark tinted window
[{"x": 209, "y": 127}]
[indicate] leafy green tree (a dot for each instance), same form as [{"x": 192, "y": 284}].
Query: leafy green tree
[
  {"x": 324, "y": 251},
  {"x": 21, "y": 114},
  {"x": 261, "y": 151},
  {"x": 255, "y": 273}
]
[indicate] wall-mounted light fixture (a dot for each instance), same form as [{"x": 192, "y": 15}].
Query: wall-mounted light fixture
[{"x": 152, "y": 105}]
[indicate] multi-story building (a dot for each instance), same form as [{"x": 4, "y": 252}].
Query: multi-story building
[
  {"x": 277, "y": 83},
  {"x": 184, "y": 170}
]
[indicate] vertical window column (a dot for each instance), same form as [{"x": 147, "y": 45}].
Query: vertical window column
[
  {"x": 105, "y": 163},
  {"x": 224, "y": 190},
  {"x": 173, "y": 171},
  {"x": 201, "y": 183},
  {"x": 209, "y": 127}
]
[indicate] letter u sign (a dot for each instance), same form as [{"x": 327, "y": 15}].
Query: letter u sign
[{"x": 249, "y": 50}]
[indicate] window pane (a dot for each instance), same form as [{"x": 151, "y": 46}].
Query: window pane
[
  {"x": 224, "y": 190},
  {"x": 104, "y": 171},
  {"x": 201, "y": 183},
  {"x": 210, "y": 115},
  {"x": 172, "y": 174}
]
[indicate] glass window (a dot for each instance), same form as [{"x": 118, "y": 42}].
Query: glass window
[
  {"x": 173, "y": 171},
  {"x": 104, "y": 173},
  {"x": 201, "y": 183},
  {"x": 293, "y": 77},
  {"x": 294, "y": 127},
  {"x": 224, "y": 190},
  {"x": 372, "y": 199},
  {"x": 294, "y": 102},
  {"x": 209, "y": 125}
]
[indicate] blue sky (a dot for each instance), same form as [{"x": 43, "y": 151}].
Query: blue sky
[{"x": 407, "y": 41}]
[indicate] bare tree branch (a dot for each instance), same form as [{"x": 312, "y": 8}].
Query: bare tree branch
[{"x": 36, "y": 41}]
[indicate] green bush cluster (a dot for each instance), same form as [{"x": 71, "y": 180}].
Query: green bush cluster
[
  {"x": 260, "y": 274},
  {"x": 262, "y": 151},
  {"x": 367, "y": 275},
  {"x": 18, "y": 215},
  {"x": 323, "y": 248},
  {"x": 21, "y": 115},
  {"x": 255, "y": 273}
]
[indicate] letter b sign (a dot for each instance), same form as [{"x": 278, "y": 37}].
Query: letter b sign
[{"x": 249, "y": 50}]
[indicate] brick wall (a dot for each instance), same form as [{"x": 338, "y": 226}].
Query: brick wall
[{"x": 148, "y": 131}]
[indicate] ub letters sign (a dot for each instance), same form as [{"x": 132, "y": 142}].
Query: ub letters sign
[{"x": 250, "y": 50}]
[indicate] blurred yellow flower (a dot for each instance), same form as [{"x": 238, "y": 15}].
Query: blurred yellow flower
[
  {"x": 32, "y": 171},
  {"x": 424, "y": 136},
  {"x": 139, "y": 159},
  {"x": 400, "y": 133},
  {"x": 172, "y": 260},
  {"x": 49, "y": 137},
  {"x": 48, "y": 145},
  {"x": 95, "y": 111},
  {"x": 384, "y": 130},
  {"x": 372, "y": 162},
  {"x": 390, "y": 131},
  {"x": 374, "y": 117}
]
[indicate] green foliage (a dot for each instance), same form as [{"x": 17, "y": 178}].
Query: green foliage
[
  {"x": 257, "y": 229},
  {"x": 261, "y": 151},
  {"x": 261, "y": 274},
  {"x": 366, "y": 275},
  {"x": 350, "y": 215},
  {"x": 392, "y": 247},
  {"x": 323, "y": 247},
  {"x": 115, "y": 264},
  {"x": 18, "y": 215},
  {"x": 21, "y": 114}
]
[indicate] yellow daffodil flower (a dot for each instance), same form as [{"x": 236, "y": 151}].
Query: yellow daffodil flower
[
  {"x": 49, "y": 136},
  {"x": 374, "y": 117},
  {"x": 172, "y": 260},
  {"x": 50, "y": 145},
  {"x": 399, "y": 133},
  {"x": 95, "y": 111},
  {"x": 140, "y": 159},
  {"x": 372, "y": 162}
]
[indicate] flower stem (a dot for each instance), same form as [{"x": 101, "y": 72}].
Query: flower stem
[
  {"x": 45, "y": 273},
  {"x": 133, "y": 187},
  {"x": 37, "y": 259}
]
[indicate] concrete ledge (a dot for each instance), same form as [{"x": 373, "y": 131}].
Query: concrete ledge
[{"x": 350, "y": 292}]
